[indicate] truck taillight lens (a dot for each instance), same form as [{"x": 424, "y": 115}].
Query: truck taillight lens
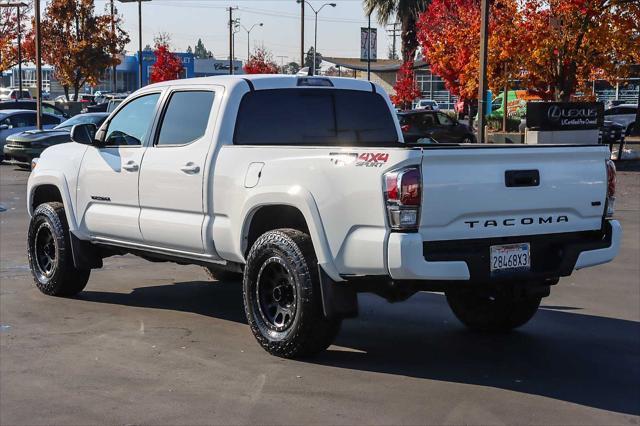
[
  {"x": 403, "y": 196},
  {"x": 611, "y": 187}
]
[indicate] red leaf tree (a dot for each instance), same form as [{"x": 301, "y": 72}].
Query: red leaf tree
[
  {"x": 261, "y": 62},
  {"x": 168, "y": 66},
  {"x": 405, "y": 87}
]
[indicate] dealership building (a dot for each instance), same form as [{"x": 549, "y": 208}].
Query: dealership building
[{"x": 126, "y": 73}]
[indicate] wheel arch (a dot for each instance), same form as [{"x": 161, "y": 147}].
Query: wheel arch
[
  {"x": 44, "y": 188},
  {"x": 298, "y": 210}
]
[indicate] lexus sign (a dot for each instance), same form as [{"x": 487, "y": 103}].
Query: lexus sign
[{"x": 565, "y": 115}]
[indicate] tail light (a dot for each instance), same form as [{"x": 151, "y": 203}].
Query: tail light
[
  {"x": 403, "y": 196},
  {"x": 611, "y": 187},
  {"x": 405, "y": 128}
]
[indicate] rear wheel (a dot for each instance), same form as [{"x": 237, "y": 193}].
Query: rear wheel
[
  {"x": 484, "y": 311},
  {"x": 282, "y": 300},
  {"x": 49, "y": 253}
]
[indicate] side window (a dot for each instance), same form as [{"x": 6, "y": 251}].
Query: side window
[
  {"x": 48, "y": 120},
  {"x": 186, "y": 118},
  {"x": 426, "y": 122},
  {"x": 627, "y": 110},
  {"x": 444, "y": 119},
  {"x": 132, "y": 123},
  {"x": 23, "y": 120},
  {"x": 612, "y": 111}
]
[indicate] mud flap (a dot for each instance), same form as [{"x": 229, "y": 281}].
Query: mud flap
[
  {"x": 85, "y": 255},
  {"x": 339, "y": 300}
]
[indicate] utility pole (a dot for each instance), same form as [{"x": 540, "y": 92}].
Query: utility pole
[
  {"x": 482, "y": 89},
  {"x": 231, "y": 37},
  {"x": 282, "y": 58},
  {"x": 114, "y": 75},
  {"x": 38, "y": 66},
  {"x": 394, "y": 33},
  {"x": 302, "y": 35},
  {"x": 505, "y": 98}
]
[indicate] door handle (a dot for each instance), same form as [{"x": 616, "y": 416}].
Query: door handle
[
  {"x": 131, "y": 166},
  {"x": 190, "y": 168}
]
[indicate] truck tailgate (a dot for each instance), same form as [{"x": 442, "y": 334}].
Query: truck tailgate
[{"x": 503, "y": 191}]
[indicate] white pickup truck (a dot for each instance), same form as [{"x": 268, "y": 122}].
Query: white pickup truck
[{"x": 304, "y": 186}]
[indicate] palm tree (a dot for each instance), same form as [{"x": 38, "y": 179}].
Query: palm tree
[{"x": 404, "y": 11}]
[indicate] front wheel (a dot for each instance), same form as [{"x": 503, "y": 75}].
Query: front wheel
[
  {"x": 282, "y": 300},
  {"x": 484, "y": 311},
  {"x": 49, "y": 253}
]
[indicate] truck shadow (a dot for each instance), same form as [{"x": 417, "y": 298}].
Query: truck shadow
[{"x": 561, "y": 354}]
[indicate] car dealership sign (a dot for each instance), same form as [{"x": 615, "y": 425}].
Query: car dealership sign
[{"x": 565, "y": 115}]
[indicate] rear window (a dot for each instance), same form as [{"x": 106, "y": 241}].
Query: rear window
[{"x": 314, "y": 117}]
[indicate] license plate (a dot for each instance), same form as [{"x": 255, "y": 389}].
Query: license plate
[{"x": 510, "y": 258}]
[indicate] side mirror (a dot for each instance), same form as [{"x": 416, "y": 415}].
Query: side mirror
[{"x": 84, "y": 133}]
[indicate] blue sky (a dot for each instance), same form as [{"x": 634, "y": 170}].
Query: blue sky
[{"x": 188, "y": 20}]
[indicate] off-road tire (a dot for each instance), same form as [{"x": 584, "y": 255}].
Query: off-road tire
[
  {"x": 309, "y": 332},
  {"x": 220, "y": 274},
  {"x": 500, "y": 312},
  {"x": 63, "y": 279}
]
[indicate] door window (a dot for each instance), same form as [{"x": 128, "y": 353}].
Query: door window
[
  {"x": 49, "y": 119},
  {"x": 23, "y": 120},
  {"x": 186, "y": 118},
  {"x": 444, "y": 119},
  {"x": 132, "y": 123}
]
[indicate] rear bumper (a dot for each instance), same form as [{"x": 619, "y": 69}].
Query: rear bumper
[{"x": 552, "y": 255}]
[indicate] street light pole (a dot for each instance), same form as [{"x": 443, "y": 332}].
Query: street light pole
[
  {"x": 114, "y": 75},
  {"x": 18, "y": 5},
  {"x": 315, "y": 43},
  {"x": 38, "y": 67},
  {"x": 260, "y": 24},
  {"x": 302, "y": 35},
  {"x": 369, "y": 50},
  {"x": 140, "y": 44}
]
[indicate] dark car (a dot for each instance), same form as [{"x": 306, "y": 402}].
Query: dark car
[
  {"x": 24, "y": 147},
  {"x": 422, "y": 126},
  {"x": 31, "y": 105}
]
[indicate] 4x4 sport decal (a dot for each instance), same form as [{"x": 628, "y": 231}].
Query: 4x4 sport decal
[{"x": 365, "y": 159}]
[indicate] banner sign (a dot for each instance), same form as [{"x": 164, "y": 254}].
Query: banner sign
[
  {"x": 565, "y": 115},
  {"x": 364, "y": 44}
]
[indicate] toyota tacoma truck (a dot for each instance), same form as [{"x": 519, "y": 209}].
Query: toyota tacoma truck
[{"x": 303, "y": 187}]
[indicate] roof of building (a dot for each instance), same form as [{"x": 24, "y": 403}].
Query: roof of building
[{"x": 381, "y": 65}]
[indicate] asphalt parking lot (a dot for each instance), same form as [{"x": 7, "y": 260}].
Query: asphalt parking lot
[{"x": 156, "y": 343}]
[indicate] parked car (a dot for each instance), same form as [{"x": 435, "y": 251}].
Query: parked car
[
  {"x": 624, "y": 115},
  {"x": 32, "y": 105},
  {"x": 10, "y": 93},
  {"x": 421, "y": 126},
  {"x": 304, "y": 186},
  {"x": 16, "y": 121},
  {"x": 427, "y": 104},
  {"x": 25, "y": 146},
  {"x": 611, "y": 133}
]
